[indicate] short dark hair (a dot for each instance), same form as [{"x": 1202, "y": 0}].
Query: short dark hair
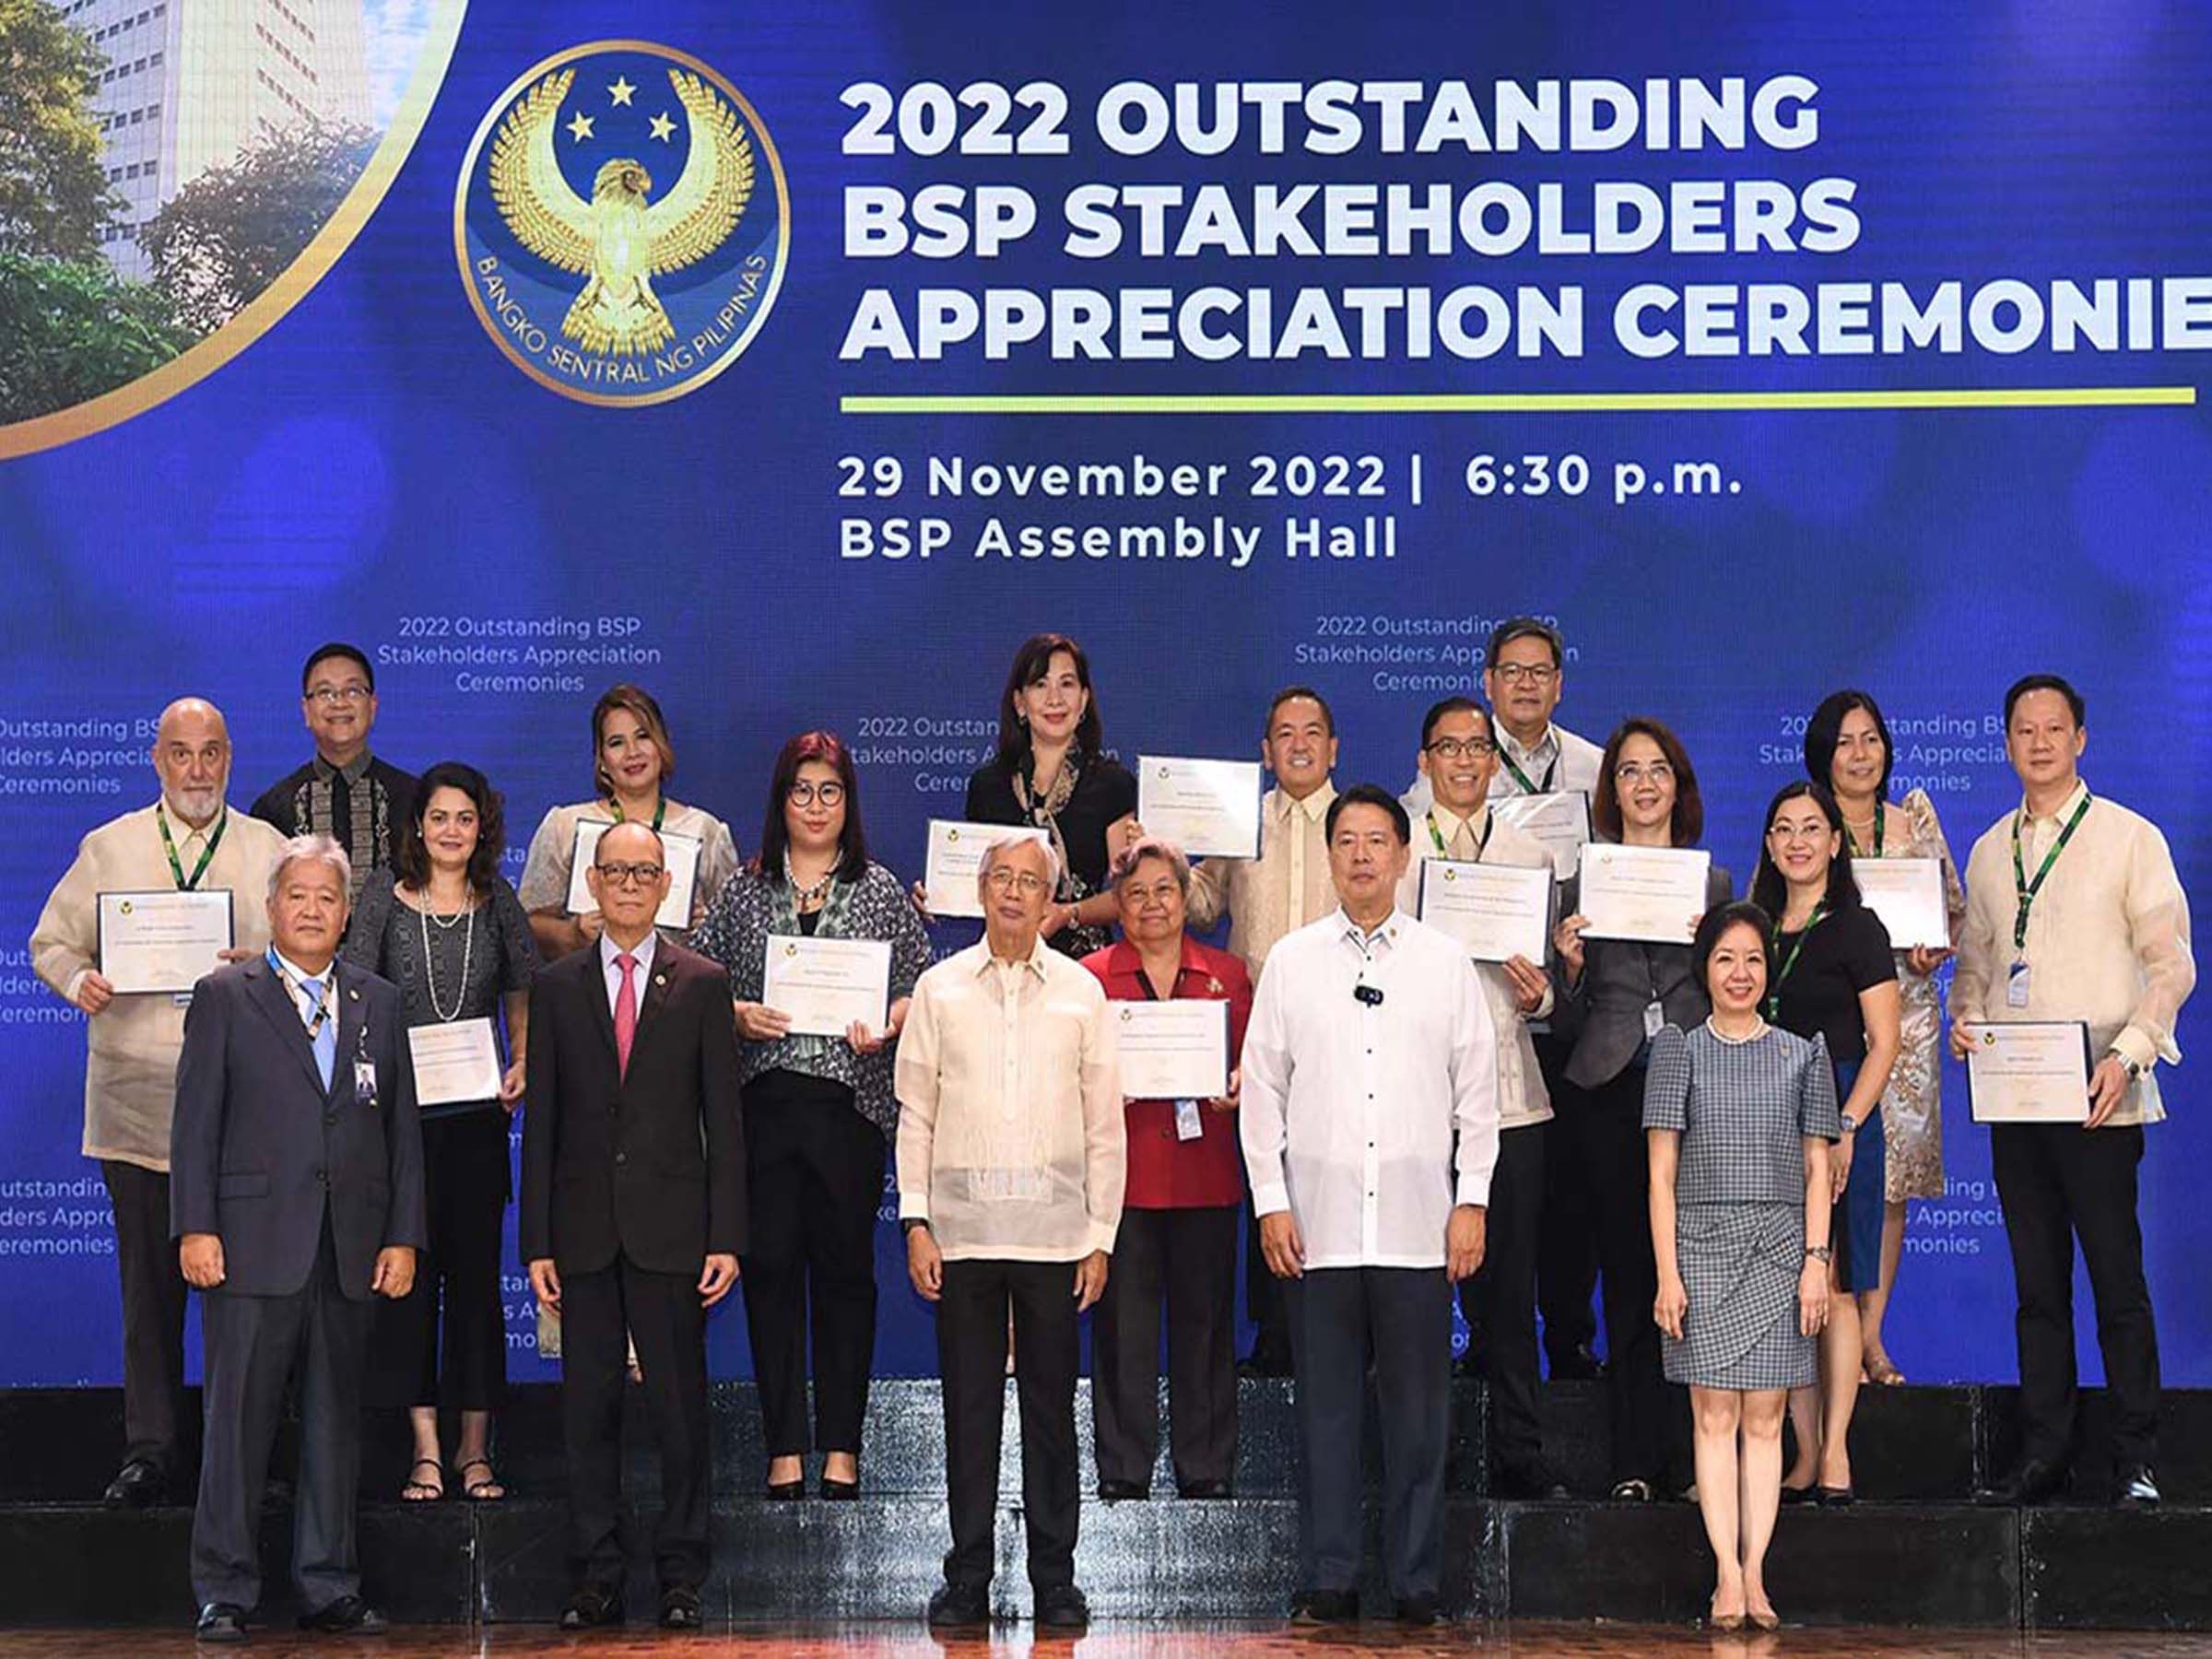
[
  {"x": 775, "y": 835},
  {"x": 1768, "y": 889},
  {"x": 411, "y": 857},
  {"x": 1736, "y": 912},
  {"x": 1031, "y": 663},
  {"x": 1524, "y": 628},
  {"x": 2046, "y": 682},
  {"x": 1825, "y": 730},
  {"x": 1688, "y": 820},
  {"x": 336, "y": 648},
  {"x": 1369, "y": 795},
  {"x": 1292, "y": 694},
  {"x": 1455, "y": 705},
  {"x": 637, "y": 700}
]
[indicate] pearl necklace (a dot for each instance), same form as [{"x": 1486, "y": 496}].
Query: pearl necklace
[
  {"x": 430, "y": 969},
  {"x": 1758, "y": 1031},
  {"x": 807, "y": 897}
]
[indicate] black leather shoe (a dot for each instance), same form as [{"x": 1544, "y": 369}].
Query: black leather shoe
[
  {"x": 2031, "y": 1482},
  {"x": 1325, "y": 1608},
  {"x": 1123, "y": 1491},
  {"x": 2138, "y": 1487},
  {"x": 679, "y": 1608},
  {"x": 786, "y": 1491},
  {"x": 1205, "y": 1490},
  {"x": 1527, "y": 1480},
  {"x": 589, "y": 1608},
  {"x": 1577, "y": 1364},
  {"x": 1419, "y": 1610},
  {"x": 137, "y": 1485},
  {"x": 838, "y": 1492},
  {"x": 1796, "y": 1494},
  {"x": 1061, "y": 1607},
  {"x": 220, "y": 1622},
  {"x": 960, "y": 1605},
  {"x": 349, "y": 1616}
]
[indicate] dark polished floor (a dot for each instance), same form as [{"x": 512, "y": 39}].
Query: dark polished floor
[{"x": 1522, "y": 1641}]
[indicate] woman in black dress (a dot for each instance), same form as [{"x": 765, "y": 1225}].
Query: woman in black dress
[
  {"x": 444, "y": 925},
  {"x": 1835, "y": 978}
]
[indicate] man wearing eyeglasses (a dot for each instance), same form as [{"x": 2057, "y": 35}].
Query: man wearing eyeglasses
[
  {"x": 344, "y": 792},
  {"x": 633, "y": 1211},
  {"x": 1011, "y": 1168}
]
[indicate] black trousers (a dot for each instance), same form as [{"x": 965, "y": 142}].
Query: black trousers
[
  {"x": 254, "y": 1344},
  {"x": 466, "y": 1176},
  {"x": 1567, "y": 1238},
  {"x": 153, "y": 1315},
  {"x": 1186, "y": 1259},
  {"x": 815, "y": 1171},
  {"x": 1650, "y": 1416},
  {"x": 1500, "y": 1301},
  {"x": 971, "y": 1359},
  {"x": 1263, "y": 1298},
  {"x": 1401, "y": 1318},
  {"x": 661, "y": 1313},
  {"x": 2058, "y": 1182}
]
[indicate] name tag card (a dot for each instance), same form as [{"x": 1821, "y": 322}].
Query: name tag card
[
  {"x": 1907, "y": 894},
  {"x": 1558, "y": 822},
  {"x": 826, "y": 984},
  {"x": 163, "y": 940},
  {"x": 680, "y": 851},
  {"x": 956, "y": 854},
  {"x": 1208, "y": 809},
  {"x": 455, "y": 1064},
  {"x": 1497, "y": 912},
  {"x": 1169, "y": 1051},
  {"x": 1651, "y": 894}
]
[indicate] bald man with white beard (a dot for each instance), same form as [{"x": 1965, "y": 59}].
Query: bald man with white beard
[{"x": 187, "y": 839}]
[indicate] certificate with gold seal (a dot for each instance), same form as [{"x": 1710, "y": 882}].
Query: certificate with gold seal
[
  {"x": 163, "y": 940},
  {"x": 1208, "y": 809},
  {"x": 956, "y": 854},
  {"x": 1652, "y": 894},
  {"x": 1497, "y": 912},
  {"x": 2030, "y": 1071},
  {"x": 1171, "y": 1051},
  {"x": 680, "y": 851},
  {"x": 826, "y": 984},
  {"x": 455, "y": 1064}
]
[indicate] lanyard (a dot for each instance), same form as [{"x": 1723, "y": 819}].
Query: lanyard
[
  {"x": 1790, "y": 961},
  {"x": 168, "y": 844},
  {"x": 325, "y": 1007},
  {"x": 659, "y": 811},
  {"x": 2027, "y": 889},
  {"x": 1437, "y": 835},
  {"x": 1881, "y": 815},
  {"x": 1521, "y": 777}
]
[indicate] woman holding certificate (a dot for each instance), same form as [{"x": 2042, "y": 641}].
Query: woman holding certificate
[
  {"x": 1739, "y": 1116},
  {"x": 1847, "y": 748},
  {"x": 632, "y": 760},
  {"x": 1620, "y": 985},
  {"x": 444, "y": 925},
  {"x": 1050, "y": 773},
  {"x": 1833, "y": 978},
  {"x": 817, "y": 1025}
]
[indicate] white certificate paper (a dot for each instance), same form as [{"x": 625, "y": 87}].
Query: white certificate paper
[
  {"x": 456, "y": 1062},
  {"x": 1209, "y": 808},
  {"x": 956, "y": 854},
  {"x": 1558, "y": 822},
  {"x": 680, "y": 851},
  {"x": 1495, "y": 910},
  {"x": 826, "y": 984},
  {"x": 2032, "y": 1072},
  {"x": 1907, "y": 894},
  {"x": 163, "y": 940},
  {"x": 1171, "y": 1051},
  {"x": 1652, "y": 894}
]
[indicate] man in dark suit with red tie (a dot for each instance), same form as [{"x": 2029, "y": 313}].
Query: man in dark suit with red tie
[{"x": 633, "y": 1212}]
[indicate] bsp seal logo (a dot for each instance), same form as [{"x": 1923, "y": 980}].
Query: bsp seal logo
[{"x": 621, "y": 223}]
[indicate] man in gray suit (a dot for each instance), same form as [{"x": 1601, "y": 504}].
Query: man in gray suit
[{"x": 294, "y": 1194}]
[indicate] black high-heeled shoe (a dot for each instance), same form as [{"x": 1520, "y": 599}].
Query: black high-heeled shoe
[
  {"x": 786, "y": 1491},
  {"x": 839, "y": 1492}
]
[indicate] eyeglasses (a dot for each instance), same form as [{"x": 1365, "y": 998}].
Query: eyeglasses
[
  {"x": 1452, "y": 749},
  {"x": 1658, "y": 771},
  {"x": 805, "y": 794},
  {"x": 627, "y": 875},
  {"x": 1025, "y": 882},
  {"x": 1785, "y": 833},
  {"x": 1530, "y": 673},
  {"x": 330, "y": 697}
]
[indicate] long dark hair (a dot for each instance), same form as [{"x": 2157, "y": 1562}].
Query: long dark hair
[
  {"x": 1768, "y": 890},
  {"x": 1825, "y": 730},
  {"x": 775, "y": 835},
  {"x": 1031, "y": 663},
  {"x": 1688, "y": 822},
  {"x": 411, "y": 857}
]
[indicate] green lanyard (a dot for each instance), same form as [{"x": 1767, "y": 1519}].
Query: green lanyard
[
  {"x": 1881, "y": 816},
  {"x": 1790, "y": 961},
  {"x": 659, "y": 811},
  {"x": 1436, "y": 835},
  {"x": 1521, "y": 777},
  {"x": 186, "y": 884},
  {"x": 2027, "y": 889}
]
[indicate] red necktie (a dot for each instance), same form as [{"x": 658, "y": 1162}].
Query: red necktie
[{"x": 626, "y": 1011}]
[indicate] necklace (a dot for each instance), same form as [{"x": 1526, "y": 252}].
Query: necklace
[
  {"x": 1758, "y": 1029},
  {"x": 1853, "y": 826},
  {"x": 430, "y": 967},
  {"x": 806, "y": 898},
  {"x": 446, "y": 919}
]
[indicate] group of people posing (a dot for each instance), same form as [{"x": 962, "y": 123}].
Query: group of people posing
[{"x": 1724, "y": 1133}]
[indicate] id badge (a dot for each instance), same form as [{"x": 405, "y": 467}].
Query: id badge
[
  {"x": 364, "y": 1082},
  {"x": 1189, "y": 1126},
  {"x": 180, "y": 999},
  {"x": 2016, "y": 986},
  {"x": 1655, "y": 1017}
]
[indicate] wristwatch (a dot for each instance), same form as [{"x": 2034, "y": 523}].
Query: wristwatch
[
  {"x": 2135, "y": 1072},
  {"x": 1819, "y": 1253},
  {"x": 1850, "y": 1124}
]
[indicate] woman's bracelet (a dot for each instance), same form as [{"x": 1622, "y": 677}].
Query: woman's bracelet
[{"x": 1819, "y": 1253}]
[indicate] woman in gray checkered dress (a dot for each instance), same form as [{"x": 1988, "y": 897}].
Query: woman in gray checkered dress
[{"x": 1739, "y": 1116}]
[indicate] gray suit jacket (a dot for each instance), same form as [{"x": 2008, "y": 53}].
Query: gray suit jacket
[
  {"x": 1601, "y": 1014},
  {"x": 259, "y": 1150}
]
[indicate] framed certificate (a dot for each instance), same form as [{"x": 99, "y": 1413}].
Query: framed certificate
[
  {"x": 1496, "y": 911},
  {"x": 455, "y": 1064},
  {"x": 1171, "y": 1051},
  {"x": 1907, "y": 894},
  {"x": 826, "y": 984},
  {"x": 1651, "y": 894},
  {"x": 2029, "y": 1072},
  {"x": 680, "y": 851},
  {"x": 163, "y": 940},
  {"x": 1558, "y": 822},
  {"x": 956, "y": 854},
  {"x": 1209, "y": 808}
]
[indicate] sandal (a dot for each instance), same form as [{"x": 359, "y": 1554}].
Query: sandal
[
  {"x": 1884, "y": 1373},
  {"x": 423, "y": 1491},
  {"x": 486, "y": 1490}
]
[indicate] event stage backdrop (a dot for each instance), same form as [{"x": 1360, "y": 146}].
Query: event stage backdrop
[{"x": 1766, "y": 347}]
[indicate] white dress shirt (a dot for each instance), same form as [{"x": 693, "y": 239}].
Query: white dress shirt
[
  {"x": 1556, "y": 762},
  {"x": 642, "y": 952},
  {"x": 1350, "y": 1108}
]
